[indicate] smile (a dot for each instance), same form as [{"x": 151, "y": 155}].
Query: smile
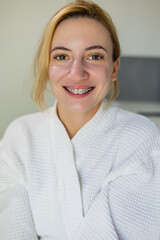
[{"x": 78, "y": 91}]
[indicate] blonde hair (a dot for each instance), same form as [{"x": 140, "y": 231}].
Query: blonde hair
[{"x": 79, "y": 8}]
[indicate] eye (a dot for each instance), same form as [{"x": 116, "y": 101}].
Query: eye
[
  {"x": 95, "y": 57},
  {"x": 60, "y": 57}
]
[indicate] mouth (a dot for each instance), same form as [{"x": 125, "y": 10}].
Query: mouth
[{"x": 79, "y": 91}]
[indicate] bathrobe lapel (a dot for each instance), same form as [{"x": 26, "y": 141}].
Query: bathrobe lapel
[
  {"x": 97, "y": 223},
  {"x": 68, "y": 181}
]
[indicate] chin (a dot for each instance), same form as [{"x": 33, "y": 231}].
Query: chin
[
  {"x": 78, "y": 108},
  {"x": 81, "y": 108}
]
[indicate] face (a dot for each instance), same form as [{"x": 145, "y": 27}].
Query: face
[{"x": 81, "y": 67}]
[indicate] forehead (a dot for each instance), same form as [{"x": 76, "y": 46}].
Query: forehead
[{"x": 81, "y": 29}]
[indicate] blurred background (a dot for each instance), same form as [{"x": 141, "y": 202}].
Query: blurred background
[{"x": 21, "y": 25}]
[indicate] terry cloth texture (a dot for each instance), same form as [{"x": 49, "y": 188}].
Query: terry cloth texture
[{"x": 104, "y": 184}]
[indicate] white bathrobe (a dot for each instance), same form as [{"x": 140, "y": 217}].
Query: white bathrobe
[{"x": 104, "y": 184}]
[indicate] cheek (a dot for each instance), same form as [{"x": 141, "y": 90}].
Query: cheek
[
  {"x": 103, "y": 74},
  {"x": 56, "y": 73}
]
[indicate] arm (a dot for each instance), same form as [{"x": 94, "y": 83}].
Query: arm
[
  {"x": 127, "y": 207},
  {"x": 16, "y": 220},
  {"x": 134, "y": 203}
]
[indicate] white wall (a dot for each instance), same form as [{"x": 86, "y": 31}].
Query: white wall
[{"x": 21, "y": 24}]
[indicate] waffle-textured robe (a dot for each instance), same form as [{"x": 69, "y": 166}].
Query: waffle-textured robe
[{"x": 104, "y": 184}]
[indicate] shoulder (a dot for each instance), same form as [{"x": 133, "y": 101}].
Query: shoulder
[
  {"x": 25, "y": 129},
  {"x": 135, "y": 121},
  {"x": 135, "y": 129},
  {"x": 137, "y": 141},
  {"x": 26, "y": 122}
]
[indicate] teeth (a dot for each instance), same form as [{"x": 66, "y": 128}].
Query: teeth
[{"x": 79, "y": 91}]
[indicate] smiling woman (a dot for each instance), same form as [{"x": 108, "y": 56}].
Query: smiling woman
[
  {"x": 81, "y": 69},
  {"x": 81, "y": 169},
  {"x": 82, "y": 9}
]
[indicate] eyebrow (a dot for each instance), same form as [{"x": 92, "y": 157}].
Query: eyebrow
[
  {"x": 60, "y": 48},
  {"x": 87, "y": 49},
  {"x": 96, "y": 47}
]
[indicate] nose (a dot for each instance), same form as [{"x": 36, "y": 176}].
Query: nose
[{"x": 77, "y": 71}]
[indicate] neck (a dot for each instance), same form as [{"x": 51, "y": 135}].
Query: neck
[{"x": 73, "y": 121}]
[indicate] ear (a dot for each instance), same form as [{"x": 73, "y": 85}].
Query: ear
[{"x": 115, "y": 70}]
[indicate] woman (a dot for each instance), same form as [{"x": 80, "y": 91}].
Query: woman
[{"x": 82, "y": 169}]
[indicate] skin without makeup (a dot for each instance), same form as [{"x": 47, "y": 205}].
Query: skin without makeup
[{"x": 81, "y": 70}]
